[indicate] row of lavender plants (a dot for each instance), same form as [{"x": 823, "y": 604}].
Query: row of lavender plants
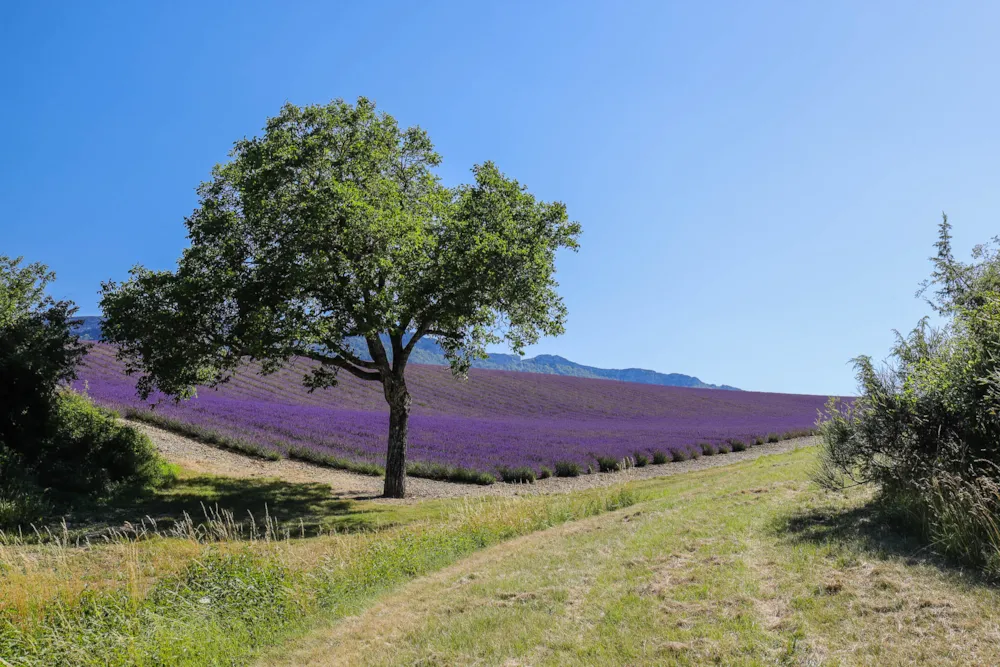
[{"x": 497, "y": 424}]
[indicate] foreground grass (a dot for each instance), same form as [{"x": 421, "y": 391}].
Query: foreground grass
[
  {"x": 748, "y": 564},
  {"x": 745, "y": 564},
  {"x": 217, "y": 591}
]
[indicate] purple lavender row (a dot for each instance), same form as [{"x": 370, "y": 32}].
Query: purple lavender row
[{"x": 494, "y": 419}]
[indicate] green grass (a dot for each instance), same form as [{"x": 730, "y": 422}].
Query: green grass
[
  {"x": 744, "y": 565},
  {"x": 221, "y": 591}
]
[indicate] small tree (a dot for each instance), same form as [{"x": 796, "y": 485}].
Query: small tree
[
  {"x": 52, "y": 438},
  {"x": 38, "y": 353},
  {"x": 334, "y": 225}
]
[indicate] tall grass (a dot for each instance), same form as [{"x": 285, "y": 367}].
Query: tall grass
[{"x": 246, "y": 584}]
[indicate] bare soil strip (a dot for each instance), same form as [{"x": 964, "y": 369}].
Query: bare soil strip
[{"x": 202, "y": 458}]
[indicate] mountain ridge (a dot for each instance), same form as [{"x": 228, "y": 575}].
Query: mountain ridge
[{"x": 427, "y": 351}]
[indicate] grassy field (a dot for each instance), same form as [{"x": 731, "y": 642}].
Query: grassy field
[
  {"x": 748, "y": 564},
  {"x": 743, "y": 564}
]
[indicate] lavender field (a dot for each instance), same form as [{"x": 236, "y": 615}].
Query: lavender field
[{"x": 496, "y": 418}]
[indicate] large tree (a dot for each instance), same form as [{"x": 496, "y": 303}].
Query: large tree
[{"x": 333, "y": 225}]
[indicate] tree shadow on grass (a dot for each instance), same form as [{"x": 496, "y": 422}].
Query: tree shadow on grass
[
  {"x": 876, "y": 529},
  {"x": 298, "y": 509}
]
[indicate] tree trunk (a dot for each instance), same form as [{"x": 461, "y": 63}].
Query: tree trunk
[{"x": 395, "y": 460}]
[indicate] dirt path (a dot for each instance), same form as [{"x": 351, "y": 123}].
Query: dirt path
[{"x": 198, "y": 457}]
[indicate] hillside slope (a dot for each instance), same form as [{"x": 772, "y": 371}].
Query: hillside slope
[
  {"x": 429, "y": 352},
  {"x": 494, "y": 419}
]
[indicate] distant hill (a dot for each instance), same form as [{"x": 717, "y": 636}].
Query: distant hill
[
  {"x": 90, "y": 328},
  {"x": 428, "y": 351}
]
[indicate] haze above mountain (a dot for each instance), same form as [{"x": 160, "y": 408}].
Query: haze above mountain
[{"x": 427, "y": 351}]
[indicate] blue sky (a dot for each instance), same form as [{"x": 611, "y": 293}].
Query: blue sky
[{"x": 759, "y": 183}]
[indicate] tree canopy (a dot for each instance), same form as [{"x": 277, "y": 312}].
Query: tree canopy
[{"x": 334, "y": 224}]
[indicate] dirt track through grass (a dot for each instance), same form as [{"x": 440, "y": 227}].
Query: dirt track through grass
[
  {"x": 201, "y": 458},
  {"x": 743, "y": 565}
]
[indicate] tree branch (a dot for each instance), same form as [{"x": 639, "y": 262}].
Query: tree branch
[
  {"x": 377, "y": 351},
  {"x": 340, "y": 362},
  {"x": 357, "y": 361}
]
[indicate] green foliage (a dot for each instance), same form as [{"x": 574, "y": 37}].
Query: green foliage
[
  {"x": 447, "y": 473},
  {"x": 517, "y": 475},
  {"x": 38, "y": 353},
  {"x": 333, "y": 224},
  {"x": 773, "y": 437},
  {"x": 608, "y": 464},
  {"x": 52, "y": 438},
  {"x": 91, "y": 453},
  {"x": 640, "y": 459},
  {"x": 678, "y": 455},
  {"x": 331, "y": 461},
  {"x": 708, "y": 448},
  {"x": 544, "y": 473},
  {"x": 567, "y": 469},
  {"x": 926, "y": 426},
  {"x": 737, "y": 445},
  {"x": 659, "y": 457}
]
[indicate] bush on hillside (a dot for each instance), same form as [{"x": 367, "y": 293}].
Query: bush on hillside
[{"x": 926, "y": 429}]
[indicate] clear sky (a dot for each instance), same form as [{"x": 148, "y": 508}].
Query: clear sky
[{"x": 759, "y": 183}]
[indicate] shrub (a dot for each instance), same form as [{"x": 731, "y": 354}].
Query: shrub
[
  {"x": 446, "y": 473},
  {"x": 660, "y": 457},
  {"x": 773, "y": 437},
  {"x": 640, "y": 460},
  {"x": 608, "y": 464},
  {"x": 51, "y": 437},
  {"x": 678, "y": 455},
  {"x": 544, "y": 473},
  {"x": 724, "y": 447},
  {"x": 758, "y": 441},
  {"x": 708, "y": 448},
  {"x": 330, "y": 461},
  {"x": 737, "y": 445},
  {"x": 22, "y": 504},
  {"x": 924, "y": 429},
  {"x": 90, "y": 452},
  {"x": 520, "y": 474},
  {"x": 568, "y": 469},
  {"x": 695, "y": 452}
]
